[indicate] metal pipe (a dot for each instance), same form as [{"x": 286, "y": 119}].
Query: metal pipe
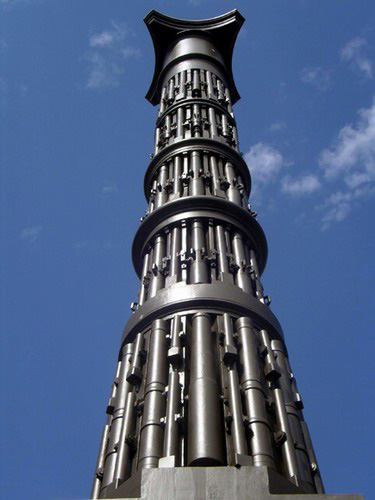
[
  {"x": 167, "y": 133},
  {"x": 145, "y": 280},
  {"x": 197, "y": 187},
  {"x": 213, "y": 124},
  {"x": 220, "y": 91},
  {"x": 157, "y": 278},
  {"x": 171, "y": 90},
  {"x": 230, "y": 358},
  {"x": 125, "y": 445},
  {"x": 162, "y": 100},
  {"x": 302, "y": 457},
  {"x": 232, "y": 191},
  {"x": 215, "y": 175},
  {"x": 183, "y": 84},
  {"x": 196, "y": 90},
  {"x": 228, "y": 101},
  {"x": 151, "y": 434},
  {"x": 255, "y": 276},
  {"x": 177, "y": 171},
  {"x": 198, "y": 266},
  {"x": 241, "y": 277},
  {"x": 123, "y": 388},
  {"x": 180, "y": 123},
  {"x": 196, "y": 124},
  {"x": 314, "y": 464},
  {"x": 172, "y": 441},
  {"x": 210, "y": 87},
  {"x": 175, "y": 251},
  {"x": 100, "y": 463},
  {"x": 223, "y": 266},
  {"x": 254, "y": 393},
  {"x": 161, "y": 193},
  {"x": 205, "y": 427}
]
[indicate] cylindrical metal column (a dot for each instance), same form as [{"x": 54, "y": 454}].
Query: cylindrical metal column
[{"x": 205, "y": 427}]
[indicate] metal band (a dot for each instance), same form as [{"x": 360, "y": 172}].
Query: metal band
[
  {"x": 216, "y": 298},
  {"x": 192, "y": 207},
  {"x": 188, "y": 101},
  {"x": 197, "y": 144}
]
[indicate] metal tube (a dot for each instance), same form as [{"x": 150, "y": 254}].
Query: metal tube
[
  {"x": 183, "y": 84},
  {"x": 205, "y": 428},
  {"x": 123, "y": 463},
  {"x": 198, "y": 266},
  {"x": 210, "y": 87},
  {"x": 151, "y": 434},
  {"x": 255, "y": 276},
  {"x": 157, "y": 278},
  {"x": 220, "y": 91},
  {"x": 213, "y": 124},
  {"x": 228, "y": 101},
  {"x": 145, "y": 280},
  {"x": 197, "y": 187},
  {"x": 314, "y": 464},
  {"x": 196, "y": 125},
  {"x": 100, "y": 464},
  {"x": 232, "y": 191},
  {"x": 161, "y": 194},
  {"x": 172, "y": 441},
  {"x": 302, "y": 457},
  {"x": 241, "y": 277},
  {"x": 180, "y": 123},
  {"x": 175, "y": 251},
  {"x": 162, "y": 101},
  {"x": 222, "y": 250},
  {"x": 123, "y": 388},
  {"x": 230, "y": 357},
  {"x": 251, "y": 382},
  {"x": 196, "y": 90},
  {"x": 171, "y": 90},
  {"x": 167, "y": 133},
  {"x": 177, "y": 171},
  {"x": 215, "y": 175}
]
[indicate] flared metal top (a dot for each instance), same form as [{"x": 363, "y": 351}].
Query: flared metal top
[{"x": 165, "y": 31}]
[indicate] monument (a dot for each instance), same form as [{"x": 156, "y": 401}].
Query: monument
[{"x": 204, "y": 403}]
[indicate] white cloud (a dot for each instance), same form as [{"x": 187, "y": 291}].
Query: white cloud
[
  {"x": 339, "y": 204},
  {"x": 107, "y": 56},
  {"x": 277, "y": 126},
  {"x": 264, "y": 163},
  {"x": 9, "y": 4},
  {"x": 316, "y": 76},
  {"x": 350, "y": 159},
  {"x": 31, "y": 234},
  {"x": 109, "y": 188},
  {"x": 353, "y": 53},
  {"x": 305, "y": 184},
  {"x": 352, "y": 155}
]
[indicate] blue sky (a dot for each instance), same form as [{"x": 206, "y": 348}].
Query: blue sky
[{"x": 75, "y": 138}]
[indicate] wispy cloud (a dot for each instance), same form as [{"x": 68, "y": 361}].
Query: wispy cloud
[
  {"x": 109, "y": 189},
  {"x": 354, "y": 53},
  {"x": 107, "y": 56},
  {"x": 9, "y": 4},
  {"x": 338, "y": 205},
  {"x": 352, "y": 155},
  {"x": 31, "y": 234},
  {"x": 317, "y": 77},
  {"x": 264, "y": 162},
  {"x": 277, "y": 126},
  {"x": 306, "y": 184},
  {"x": 351, "y": 160}
]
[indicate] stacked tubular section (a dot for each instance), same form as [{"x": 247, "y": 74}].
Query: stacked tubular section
[{"x": 203, "y": 377}]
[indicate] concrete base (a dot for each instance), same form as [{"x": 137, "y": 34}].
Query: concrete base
[{"x": 213, "y": 483}]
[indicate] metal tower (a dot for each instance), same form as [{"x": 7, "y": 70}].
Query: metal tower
[{"x": 204, "y": 403}]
